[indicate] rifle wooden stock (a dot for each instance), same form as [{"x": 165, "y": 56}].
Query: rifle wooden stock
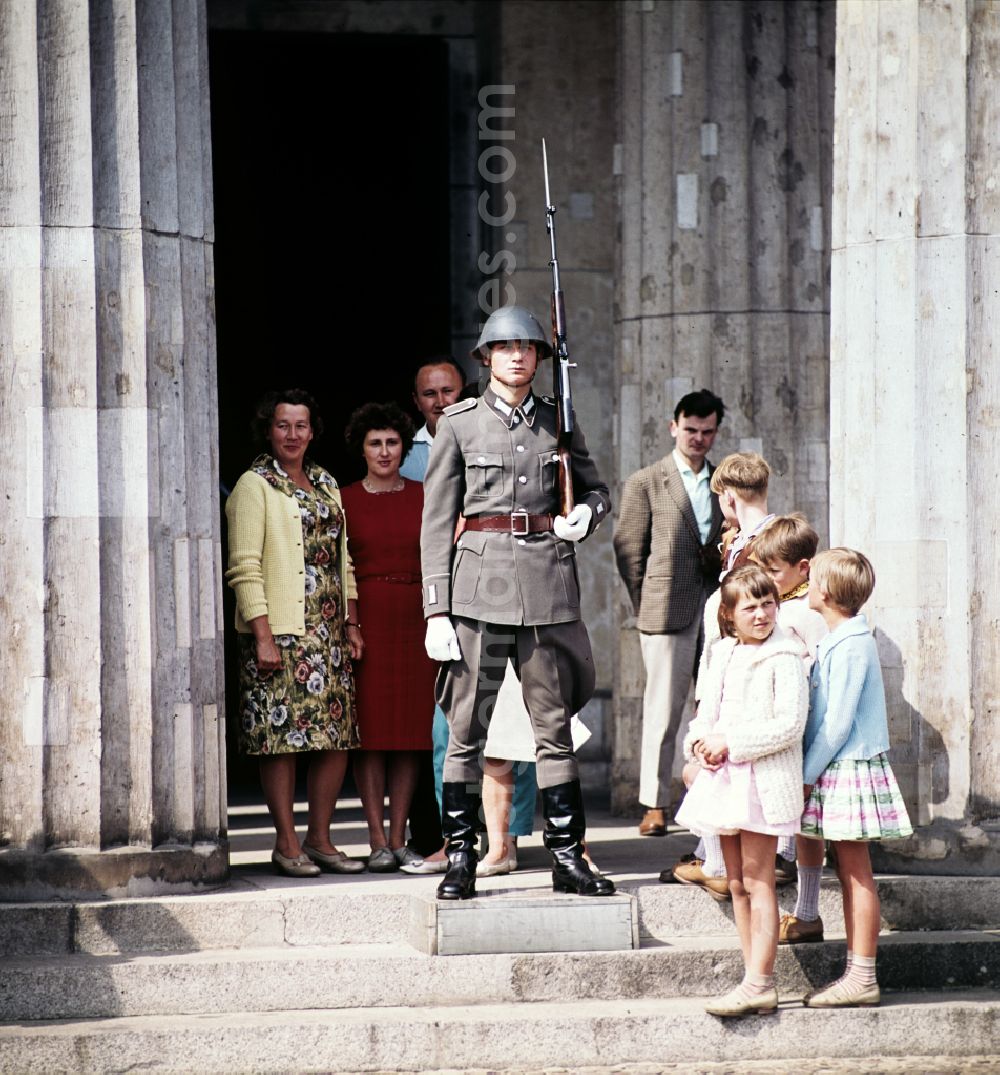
[{"x": 566, "y": 500}]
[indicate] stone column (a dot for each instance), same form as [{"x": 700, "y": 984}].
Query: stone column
[
  {"x": 915, "y": 397},
  {"x": 111, "y": 777},
  {"x": 725, "y": 113}
]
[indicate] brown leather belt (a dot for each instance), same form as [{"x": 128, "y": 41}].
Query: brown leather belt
[{"x": 518, "y": 522}]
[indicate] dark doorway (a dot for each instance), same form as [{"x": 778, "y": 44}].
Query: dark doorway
[{"x": 330, "y": 171}]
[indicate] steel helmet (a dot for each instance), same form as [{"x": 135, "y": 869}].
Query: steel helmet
[{"x": 512, "y": 323}]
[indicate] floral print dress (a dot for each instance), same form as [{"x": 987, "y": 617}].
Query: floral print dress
[{"x": 308, "y": 704}]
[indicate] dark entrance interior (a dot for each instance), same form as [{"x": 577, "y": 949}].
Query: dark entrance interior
[{"x": 330, "y": 171}]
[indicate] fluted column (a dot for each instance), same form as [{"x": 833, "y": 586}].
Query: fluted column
[
  {"x": 725, "y": 114},
  {"x": 915, "y": 397},
  {"x": 110, "y": 751}
]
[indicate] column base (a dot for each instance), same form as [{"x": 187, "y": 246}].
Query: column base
[
  {"x": 121, "y": 872},
  {"x": 944, "y": 848},
  {"x": 624, "y": 797}
]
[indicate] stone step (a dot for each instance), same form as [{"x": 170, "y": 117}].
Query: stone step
[
  {"x": 360, "y": 976},
  {"x": 342, "y": 910},
  {"x": 519, "y": 923},
  {"x": 554, "y": 1034}
]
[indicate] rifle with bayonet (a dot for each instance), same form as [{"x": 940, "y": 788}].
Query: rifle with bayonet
[{"x": 561, "y": 364}]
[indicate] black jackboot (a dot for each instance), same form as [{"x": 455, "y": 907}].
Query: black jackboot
[
  {"x": 565, "y": 826},
  {"x": 459, "y": 822}
]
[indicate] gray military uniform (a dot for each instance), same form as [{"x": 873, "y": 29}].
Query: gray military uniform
[{"x": 513, "y": 595}]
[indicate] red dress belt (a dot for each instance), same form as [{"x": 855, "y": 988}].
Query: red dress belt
[
  {"x": 518, "y": 522},
  {"x": 401, "y": 577}
]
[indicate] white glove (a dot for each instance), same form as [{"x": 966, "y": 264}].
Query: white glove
[
  {"x": 573, "y": 527},
  {"x": 441, "y": 642}
]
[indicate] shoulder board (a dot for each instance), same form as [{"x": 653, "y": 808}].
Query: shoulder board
[
  {"x": 548, "y": 399},
  {"x": 462, "y": 405}
]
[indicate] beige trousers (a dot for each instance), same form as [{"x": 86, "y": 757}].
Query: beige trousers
[{"x": 671, "y": 661}]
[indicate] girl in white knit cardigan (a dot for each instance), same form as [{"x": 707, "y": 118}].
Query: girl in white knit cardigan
[{"x": 747, "y": 738}]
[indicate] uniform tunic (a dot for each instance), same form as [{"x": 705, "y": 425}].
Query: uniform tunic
[{"x": 510, "y": 595}]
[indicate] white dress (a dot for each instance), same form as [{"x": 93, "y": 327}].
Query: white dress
[{"x": 723, "y": 802}]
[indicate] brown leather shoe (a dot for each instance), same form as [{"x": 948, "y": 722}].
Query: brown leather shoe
[
  {"x": 667, "y": 875},
  {"x": 792, "y": 930},
  {"x": 654, "y": 822},
  {"x": 690, "y": 873}
]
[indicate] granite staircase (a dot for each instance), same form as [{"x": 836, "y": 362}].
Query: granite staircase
[{"x": 337, "y": 974}]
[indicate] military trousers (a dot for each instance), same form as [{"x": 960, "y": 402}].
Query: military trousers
[{"x": 556, "y": 668}]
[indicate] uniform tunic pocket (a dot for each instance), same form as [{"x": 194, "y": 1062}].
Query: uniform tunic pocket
[
  {"x": 484, "y": 475},
  {"x": 548, "y": 468},
  {"x": 468, "y": 567},
  {"x": 566, "y": 554}
]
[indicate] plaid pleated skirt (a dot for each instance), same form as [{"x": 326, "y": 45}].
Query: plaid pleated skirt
[{"x": 857, "y": 799}]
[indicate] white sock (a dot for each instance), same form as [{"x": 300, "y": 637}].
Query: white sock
[
  {"x": 860, "y": 971},
  {"x": 786, "y": 848},
  {"x": 755, "y": 984},
  {"x": 699, "y": 851},
  {"x": 807, "y": 901},
  {"x": 715, "y": 864}
]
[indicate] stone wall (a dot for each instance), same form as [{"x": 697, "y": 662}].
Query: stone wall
[
  {"x": 110, "y": 572},
  {"x": 724, "y": 128},
  {"x": 914, "y": 399},
  {"x": 560, "y": 59}
]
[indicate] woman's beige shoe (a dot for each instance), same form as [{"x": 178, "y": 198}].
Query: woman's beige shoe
[
  {"x": 338, "y": 862},
  {"x": 300, "y": 866},
  {"x": 494, "y": 869},
  {"x": 841, "y": 994},
  {"x": 738, "y": 1002}
]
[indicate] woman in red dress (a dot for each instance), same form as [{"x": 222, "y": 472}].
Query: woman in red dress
[{"x": 395, "y": 681}]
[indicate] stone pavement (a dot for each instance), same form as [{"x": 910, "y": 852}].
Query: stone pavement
[{"x": 924, "y": 1065}]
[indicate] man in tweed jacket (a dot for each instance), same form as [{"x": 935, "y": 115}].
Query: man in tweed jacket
[{"x": 669, "y": 526}]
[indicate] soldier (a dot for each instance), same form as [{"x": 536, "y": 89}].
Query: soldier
[{"x": 508, "y": 588}]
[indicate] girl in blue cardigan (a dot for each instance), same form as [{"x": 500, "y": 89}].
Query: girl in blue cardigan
[{"x": 851, "y": 794}]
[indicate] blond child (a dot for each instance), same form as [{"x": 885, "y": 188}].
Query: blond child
[
  {"x": 851, "y": 793},
  {"x": 740, "y": 482},
  {"x": 784, "y": 548},
  {"x": 747, "y": 738}
]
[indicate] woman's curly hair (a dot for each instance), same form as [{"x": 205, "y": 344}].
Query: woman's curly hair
[
  {"x": 378, "y": 416},
  {"x": 260, "y": 426}
]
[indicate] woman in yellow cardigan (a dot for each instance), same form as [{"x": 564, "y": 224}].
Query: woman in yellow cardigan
[{"x": 297, "y": 618}]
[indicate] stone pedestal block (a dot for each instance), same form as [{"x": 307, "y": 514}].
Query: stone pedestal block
[
  {"x": 914, "y": 398},
  {"x": 517, "y": 922},
  {"x": 111, "y": 743}
]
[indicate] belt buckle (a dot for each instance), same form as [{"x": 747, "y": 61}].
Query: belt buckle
[{"x": 513, "y": 527}]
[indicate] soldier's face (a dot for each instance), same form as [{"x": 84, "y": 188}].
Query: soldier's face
[
  {"x": 694, "y": 437},
  {"x": 513, "y": 362},
  {"x": 437, "y": 387}
]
